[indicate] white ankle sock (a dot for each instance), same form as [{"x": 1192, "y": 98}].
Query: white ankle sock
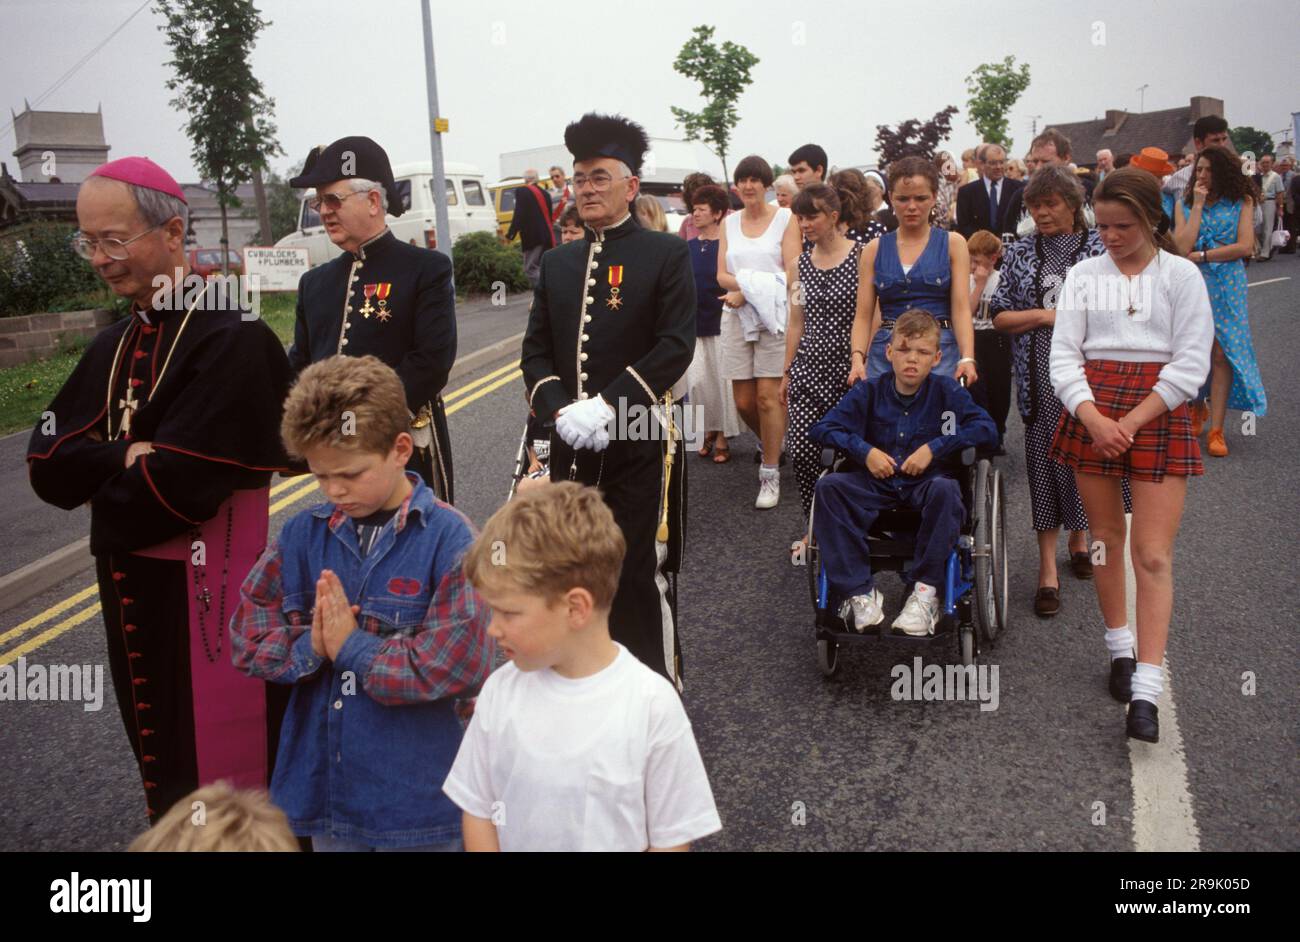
[
  {"x": 1119, "y": 642},
  {"x": 769, "y": 470},
  {"x": 926, "y": 592},
  {"x": 1148, "y": 682}
]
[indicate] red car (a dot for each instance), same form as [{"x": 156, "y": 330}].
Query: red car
[{"x": 207, "y": 262}]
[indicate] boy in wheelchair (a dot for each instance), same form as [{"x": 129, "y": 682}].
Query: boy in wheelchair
[{"x": 898, "y": 429}]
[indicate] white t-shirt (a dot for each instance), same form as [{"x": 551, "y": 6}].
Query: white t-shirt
[
  {"x": 1172, "y": 324},
  {"x": 602, "y": 763},
  {"x": 982, "y": 320}
]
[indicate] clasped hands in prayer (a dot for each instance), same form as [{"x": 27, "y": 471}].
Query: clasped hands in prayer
[{"x": 333, "y": 618}]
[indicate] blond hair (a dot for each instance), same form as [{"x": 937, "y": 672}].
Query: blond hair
[
  {"x": 218, "y": 818},
  {"x": 548, "y": 541},
  {"x": 356, "y": 403},
  {"x": 913, "y": 324},
  {"x": 651, "y": 213}
]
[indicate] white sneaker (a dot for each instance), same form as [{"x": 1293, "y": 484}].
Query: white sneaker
[
  {"x": 867, "y": 610},
  {"x": 769, "y": 490},
  {"x": 918, "y": 617}
]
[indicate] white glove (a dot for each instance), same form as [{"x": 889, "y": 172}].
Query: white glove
[{"x": 584, "y": 424}]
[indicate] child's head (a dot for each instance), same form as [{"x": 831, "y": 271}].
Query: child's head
[
  {"x": 570, "y": 225},
  {"x": 548, "y": 563},
  {"x": 218, "y": 818},
  {"x": 985, "y": 249},
  {"x": 913, "y": 348},
  {"x": 347, "y": 417},
  {"x": 1130, "y": 216}
]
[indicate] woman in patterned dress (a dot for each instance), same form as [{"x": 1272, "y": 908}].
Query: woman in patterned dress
[
  {"x": 1024, "y": 307},
  {"x": 823, "y": 301},
  {"x": 1213, "y": 227}
]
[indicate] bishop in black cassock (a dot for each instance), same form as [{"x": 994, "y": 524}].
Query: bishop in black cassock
[{"x": 169, "y": 428}]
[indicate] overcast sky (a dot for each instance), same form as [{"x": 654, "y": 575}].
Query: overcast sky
[{"x": 829, "y": 72}]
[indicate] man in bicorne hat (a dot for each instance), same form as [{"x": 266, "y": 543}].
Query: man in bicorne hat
[
  {"x": 612, "y": 329},
  {"x": 169, "y": 427},
  {"x": 382, "y": 297}
]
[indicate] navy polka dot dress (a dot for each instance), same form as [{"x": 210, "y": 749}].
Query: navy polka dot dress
[{"x": 821, "y": 361}]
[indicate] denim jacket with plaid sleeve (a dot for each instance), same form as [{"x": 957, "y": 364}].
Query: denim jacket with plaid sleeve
[{"x": 368, "y": 739}]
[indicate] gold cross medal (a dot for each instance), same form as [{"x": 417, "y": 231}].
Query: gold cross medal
[
  {"x": 369, "y": 291},
  {"x": 384, "y": 289},
  {"x": 615, "y": 279}
]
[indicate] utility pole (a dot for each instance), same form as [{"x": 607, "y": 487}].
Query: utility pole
[
  {"x": 1142, "y": 101},
  {"x": 1033, "y": 124},
  {"x": 436, "y": 126}
]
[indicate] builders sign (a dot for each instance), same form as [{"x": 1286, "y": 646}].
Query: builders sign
[{"x": 273, "y": 269}]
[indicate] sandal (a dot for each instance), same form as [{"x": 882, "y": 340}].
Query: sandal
[
  {"x": 722, "y": 454},
  {"x": 707, "y": 448}
]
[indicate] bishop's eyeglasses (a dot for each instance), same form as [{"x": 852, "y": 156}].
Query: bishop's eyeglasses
[{"x": 113, "y": 248}]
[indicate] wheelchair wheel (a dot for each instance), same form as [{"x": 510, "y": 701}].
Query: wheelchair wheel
[
  {"x": 828, "y": 657},
  {"x": 988, "y": 540},
  {"x": 813, "y": 563},
  {"x": 966, "y": 639},
  {"x": 999, "y": 542}
]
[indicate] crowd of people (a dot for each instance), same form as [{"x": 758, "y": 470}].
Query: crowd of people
[{"x": 353, "y": 664}]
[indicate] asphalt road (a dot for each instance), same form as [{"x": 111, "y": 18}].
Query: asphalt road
[{"x": 799, "y": 762}]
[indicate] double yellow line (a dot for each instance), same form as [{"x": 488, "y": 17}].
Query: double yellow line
[{"x": 293, "y": 489}]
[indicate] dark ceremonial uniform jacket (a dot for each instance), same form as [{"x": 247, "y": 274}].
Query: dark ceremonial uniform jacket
[
  {"x": 393, "y": 301},
  {"x": 531, "y": 222},
  {"x": 213, "y": 419},
  {"x": 628, "y": 336}
]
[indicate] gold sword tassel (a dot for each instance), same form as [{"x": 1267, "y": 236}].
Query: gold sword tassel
[{"x": 662, "y": 534}]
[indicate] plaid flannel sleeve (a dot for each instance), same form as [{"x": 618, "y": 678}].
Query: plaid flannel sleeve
[
  {"x": 265, "y": 642},
  {"x": 451, "y": 654}
]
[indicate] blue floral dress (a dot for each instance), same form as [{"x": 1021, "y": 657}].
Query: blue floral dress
[{"x": 1226, "y": 283}]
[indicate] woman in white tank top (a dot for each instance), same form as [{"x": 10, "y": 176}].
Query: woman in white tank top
[{"x": 759, "y": 240}]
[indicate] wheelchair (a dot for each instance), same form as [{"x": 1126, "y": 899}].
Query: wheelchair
[{"x": 974, "y": 593}]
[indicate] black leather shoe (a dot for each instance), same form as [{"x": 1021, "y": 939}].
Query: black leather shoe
[
  {"x": 1121, "y": 678},
  {"x": 1081, "y": 565},
  {"x": 1143, "y": 721}
]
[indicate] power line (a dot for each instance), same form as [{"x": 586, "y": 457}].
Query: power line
[{"x": 59, "y": 83}]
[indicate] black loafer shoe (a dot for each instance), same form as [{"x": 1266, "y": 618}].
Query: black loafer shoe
[
  {"x": 1121, "y": 678},
  {"x": 1047, "y": 601},
  {"x": 1143, "y": 721},
  {"x": 1081, "y": 565}
]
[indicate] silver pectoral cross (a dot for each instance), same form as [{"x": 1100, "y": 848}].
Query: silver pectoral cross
[{"x": 128, "y": 407}]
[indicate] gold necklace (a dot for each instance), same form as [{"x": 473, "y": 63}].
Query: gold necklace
[{"x": 129, "y": 405}]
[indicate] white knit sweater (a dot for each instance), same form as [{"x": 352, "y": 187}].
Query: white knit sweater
[{"x": 1172, "y": 324}]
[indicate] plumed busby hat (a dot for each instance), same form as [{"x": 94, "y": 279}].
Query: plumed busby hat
[
  {"x": 350, "y": 158},
  {"x": 601, "y": 135}
]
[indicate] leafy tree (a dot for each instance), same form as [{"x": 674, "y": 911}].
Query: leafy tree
[
  {"x": 1246, "y": 138},
  {"x": 994, "y": 88},
  {"x": 723, "y": 74},
  {"x": 284, "y": 203},
  {"x": 229, "y": 123},
  {"x": 914, "y": 138}
]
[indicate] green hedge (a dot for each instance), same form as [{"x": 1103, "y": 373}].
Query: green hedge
[
  {"x": 482, "y": 261},
  {"x": 40, "y": 272}
]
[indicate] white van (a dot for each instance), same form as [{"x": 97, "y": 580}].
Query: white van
[{"x": 468, "y": 210}]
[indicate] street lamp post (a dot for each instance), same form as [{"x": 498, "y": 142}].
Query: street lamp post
[{"x": 439, "y": 182}]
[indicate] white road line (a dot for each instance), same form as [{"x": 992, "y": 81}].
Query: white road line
[
  {"x": 1163, "y": 818},
  {"x": 1268, "y": 281}
]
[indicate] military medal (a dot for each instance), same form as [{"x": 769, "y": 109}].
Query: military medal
[
  {"x": 369, "y": 290},
  {"x": 382, "y": 292},
  {"x": 615, "y": 279}
]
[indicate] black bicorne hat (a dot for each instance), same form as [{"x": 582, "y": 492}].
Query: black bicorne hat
[
  {"x": 348, "y": 158},
  {"x": 599, "y": 135}
]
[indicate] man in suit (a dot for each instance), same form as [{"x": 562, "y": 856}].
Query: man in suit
[
  {"x": 532, "y": 223},
  {"x": 983, "y": 203}
]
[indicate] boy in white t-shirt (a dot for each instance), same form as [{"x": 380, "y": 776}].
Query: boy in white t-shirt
[{"x": 575, "y": 744}]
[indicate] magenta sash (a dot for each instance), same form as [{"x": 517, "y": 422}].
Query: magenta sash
[{"x": 230, "y": 722}]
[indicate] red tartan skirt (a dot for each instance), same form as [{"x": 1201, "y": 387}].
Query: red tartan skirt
[{"x": 1165, "y": 445}]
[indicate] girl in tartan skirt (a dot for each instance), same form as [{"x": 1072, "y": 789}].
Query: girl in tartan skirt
[{"x": 1131, "y": 346}]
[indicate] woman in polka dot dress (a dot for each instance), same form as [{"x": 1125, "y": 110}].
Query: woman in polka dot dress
[
  {"x": 824, "y": 297},
  {"x": 1213, "y": 227}
]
